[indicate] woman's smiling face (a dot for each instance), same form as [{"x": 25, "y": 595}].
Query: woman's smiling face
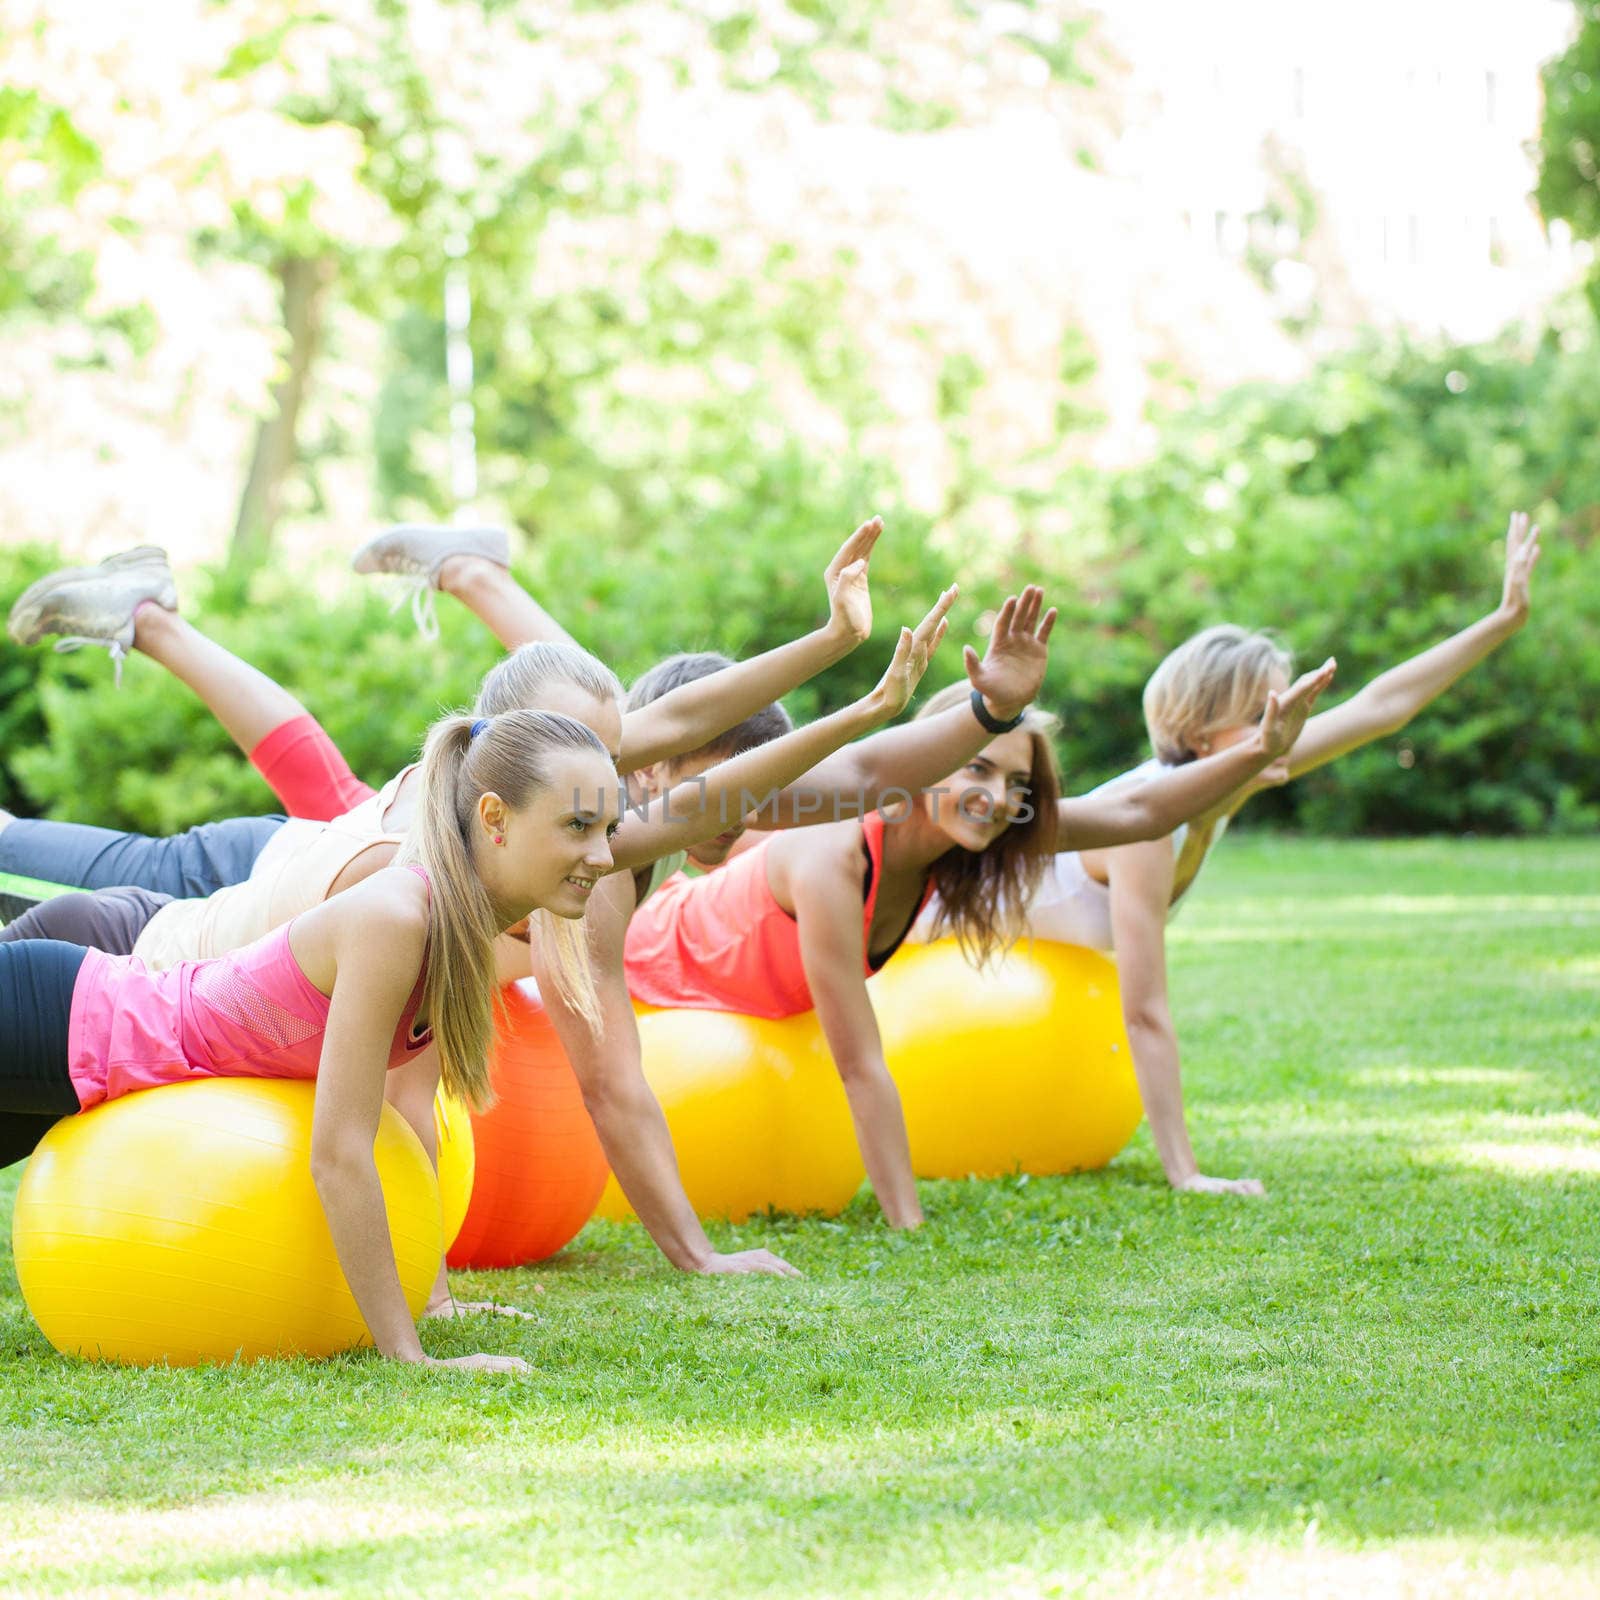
[
  {"x": 981, "y": 800},
  {"x": 557, "y": 846}
]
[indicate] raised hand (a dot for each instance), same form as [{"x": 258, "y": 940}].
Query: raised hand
[
  {"x": 911, "y": 657},
  {"x": 478, "y": 1363},
  {"x": 750, "y": 1261},
  {"x": 1287, "y": 709},
  {"x": 1012, "y": 669},
  {"x": 849, "y": 597},
  {"x": 1522, "y": 555},
  {"x": 1199, "y": 1183}
]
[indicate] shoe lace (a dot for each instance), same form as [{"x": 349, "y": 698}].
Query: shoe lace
[
  {"x": 418, "y": 589},
  {"x": 76, "y": 641}
]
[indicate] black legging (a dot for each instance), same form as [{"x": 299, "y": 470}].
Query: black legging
[{"x": 36, "y": 982}]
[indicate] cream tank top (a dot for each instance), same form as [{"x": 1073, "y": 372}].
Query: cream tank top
[
  {"x": 1070, "y": 907},
  {"x": 293, "y": 873}
]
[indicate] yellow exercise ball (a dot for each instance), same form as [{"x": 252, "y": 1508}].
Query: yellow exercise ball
[
  {"x": 758, "y": 1116},
  {"x": 458, "y": 1161},
  {"x": 1023, "y": 1067},
  {"x": 181, "y": 1225}
]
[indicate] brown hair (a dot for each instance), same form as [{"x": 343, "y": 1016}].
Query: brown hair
[
  {"x": 984, "y": 895},
  {"x": 1218, "y": 679},
  {"x": 759, "y": 728},
  {"x": 511, "y": 757}
]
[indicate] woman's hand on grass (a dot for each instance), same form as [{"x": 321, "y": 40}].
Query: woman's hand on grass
[
  {"x": 1522, "y": 555},
  {"x": 479, "y": 1362},
  {"x": 749, "y": 1261},
  {"x": 1199, "y": 1183},
  {"x": 1012, "y": 669},
  {"x": 849, "y": 595}
]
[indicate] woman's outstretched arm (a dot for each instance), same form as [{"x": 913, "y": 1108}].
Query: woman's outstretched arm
[
  {"x": 722, "y": 796},
  {"x": 692, "y": 716},
  {"x": 1158, "y": 807},
  {"x": 1394, "y": 697},
  {"x": 1141, "y": 894}
]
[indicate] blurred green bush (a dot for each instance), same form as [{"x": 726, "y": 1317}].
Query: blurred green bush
[{"x": 1358, "y": 513}]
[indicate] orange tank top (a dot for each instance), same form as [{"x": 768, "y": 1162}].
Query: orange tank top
[{"x": 723, "y": 943}]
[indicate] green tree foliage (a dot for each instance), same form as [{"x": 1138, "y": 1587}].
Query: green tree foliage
[
  {"x": 1357, "y": 513},
  {"x": 1569, "y": 139},
  {"x": 44, "y": 162}
]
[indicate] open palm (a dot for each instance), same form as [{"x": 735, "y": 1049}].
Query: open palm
[{"x": 1012, "y": 669}]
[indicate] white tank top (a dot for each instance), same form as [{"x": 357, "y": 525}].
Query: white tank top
[
  {"x": 1070, "y": 907},
  {"x": 294, "y": 872}
]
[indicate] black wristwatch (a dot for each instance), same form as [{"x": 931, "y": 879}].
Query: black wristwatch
[{"x": 987, "y": 719}]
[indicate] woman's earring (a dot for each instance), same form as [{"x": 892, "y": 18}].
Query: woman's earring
[{"x": 499, "y": 838}]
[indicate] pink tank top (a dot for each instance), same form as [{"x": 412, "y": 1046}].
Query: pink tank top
[
  {"x": 723, "y": 943},
  {"x": 249, "y": 1014}
]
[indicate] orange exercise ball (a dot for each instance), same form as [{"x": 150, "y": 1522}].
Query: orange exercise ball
[
  {"x": 1023, "y": 1067},
  {"x": 539, "y": 1166}
]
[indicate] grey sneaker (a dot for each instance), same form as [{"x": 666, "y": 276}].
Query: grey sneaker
[
  {"x": 95, "y": 605},
  {"x": 416, "y": 551}
]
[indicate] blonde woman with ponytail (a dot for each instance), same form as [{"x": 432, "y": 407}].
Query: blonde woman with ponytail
[{"x": 515, "y": 815}]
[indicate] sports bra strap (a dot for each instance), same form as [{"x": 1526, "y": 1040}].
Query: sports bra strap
[{"x": 422, "y": 872}]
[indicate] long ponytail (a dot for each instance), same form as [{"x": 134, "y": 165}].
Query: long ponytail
[{"x": 511, "y": 758}]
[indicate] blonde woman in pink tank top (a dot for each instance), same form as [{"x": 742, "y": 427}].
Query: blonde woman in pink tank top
[
  {"x": 515, "y": 814},
  {"x": 307, "y": 862}
]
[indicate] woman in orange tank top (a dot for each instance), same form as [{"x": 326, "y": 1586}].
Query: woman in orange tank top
[
  {"x": 804, "y": 918},
  {"x": 801, "y": 920}
]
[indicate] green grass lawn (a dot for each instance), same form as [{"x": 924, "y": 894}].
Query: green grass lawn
[{"x": 1384, "y": 1379}]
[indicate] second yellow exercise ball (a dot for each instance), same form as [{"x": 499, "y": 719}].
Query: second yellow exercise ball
[
  {"x": 181, "y": 1225},
  {"x": 758, "y": 1116},
  {"x": 458, "y": 1161},
  {"x": 1022, "y": 1067}
]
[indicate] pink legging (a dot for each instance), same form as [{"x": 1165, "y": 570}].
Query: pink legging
[{"x": 303, "y": 767}]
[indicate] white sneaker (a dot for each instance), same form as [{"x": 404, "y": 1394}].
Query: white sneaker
[
  {"x": 416, "y": 551},
  {"x": 95, "y": 605}
]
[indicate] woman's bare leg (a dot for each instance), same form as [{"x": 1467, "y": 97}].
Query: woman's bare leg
[
  {"x": 243, "y": 699},
  {"x": 473, "y": 564},
  {"x": 499, "y": 602}
]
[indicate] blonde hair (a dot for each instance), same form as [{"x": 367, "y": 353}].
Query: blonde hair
[
  {"x": 984, "y": 895},
  {"x": 520, "y": 681},
  {"x": 1218, "y": 679},
  {"x": 512, "y": 758}
]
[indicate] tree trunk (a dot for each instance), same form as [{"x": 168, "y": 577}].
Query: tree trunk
[{"x": 304, "y": 282}]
